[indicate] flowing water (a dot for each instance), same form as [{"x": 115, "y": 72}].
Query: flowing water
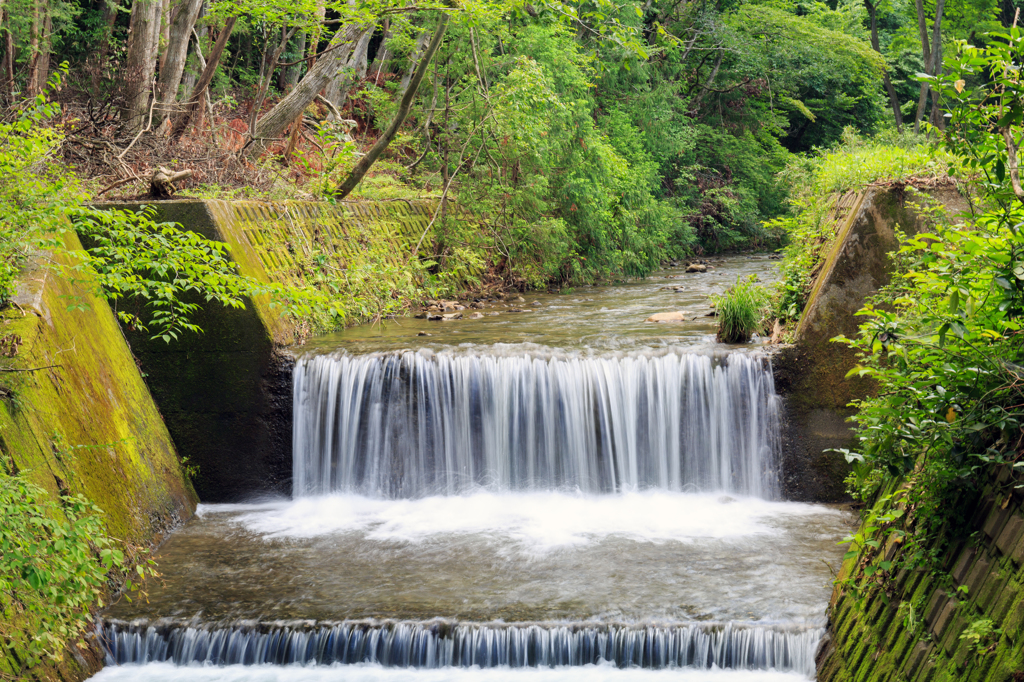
[{"x": 567, "y": 493}]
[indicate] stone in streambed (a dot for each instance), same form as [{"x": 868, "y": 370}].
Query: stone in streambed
[{"x": 677, "y": 316}]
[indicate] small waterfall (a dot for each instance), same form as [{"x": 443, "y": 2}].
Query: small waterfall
[
  {"x": 412, "y": 424},
  {"x": 439, "y": 643}
]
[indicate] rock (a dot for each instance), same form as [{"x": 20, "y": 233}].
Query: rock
[
  {"x": 677, "y": 316},
  {"x": 420, "y": 316},
  {"x": 433, "y": 309},
  {"x": 459, "y": 307},
  {"x": 476, "y": 316},
  {"x": 434, "y": 318},
  {"x": 493, "y": 314},
  {"x": 520, "y": 299},
  {"x": 515, "y": 310},
  {"x": 448, "y": 317},
  {"x": 422, "y": 333},
  {"x": 696, "y": 267},
  {"x": 536, "y": 304}
]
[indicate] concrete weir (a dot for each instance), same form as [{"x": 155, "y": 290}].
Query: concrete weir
[
  {"x": 810, "y": 374},
  {"x": 226, "y": 393}
]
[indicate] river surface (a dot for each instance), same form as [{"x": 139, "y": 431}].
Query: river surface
[
  {"x": 568, "y": 493},
  {"x": 591, "y": 319}
]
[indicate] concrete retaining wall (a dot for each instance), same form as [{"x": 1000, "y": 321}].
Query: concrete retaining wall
[
  {"x": 811, "y": 373},
  {"x": 76, "y": 417}
]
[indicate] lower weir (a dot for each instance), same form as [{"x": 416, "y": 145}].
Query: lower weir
[{"x": 440, "y": 644}]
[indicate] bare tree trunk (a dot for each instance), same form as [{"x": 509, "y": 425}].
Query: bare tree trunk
[
  {"x": 706, "y": 88},
  {"x": 421, "y": 44},
  {"x": 8, "y": 60},
  {"x": 39, "y": 48},
  {"x": 894, "y": 101},
  {"x": 267, "y": 69},
  {"x": 165, "y": 34},
  {"x": 273, "y": 124},
  {"x": 926, "y": 53},
  {"x": 937, "y": 118},
  {"x": 188, "y": 80},
  {"x": 354, "y": 70},
  {"x": 184, "y": 14},
  {"x": 289, "y": 75},
  {"x": 140, "y": 62},
  {"x": 195, "y": 100},
  {"x": 403, "y": 111}
]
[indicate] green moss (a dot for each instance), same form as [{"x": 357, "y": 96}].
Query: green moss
[{"x": 76, "y": 416}]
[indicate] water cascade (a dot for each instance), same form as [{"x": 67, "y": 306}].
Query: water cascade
[
  {"x": 503, "y": 507},
  {"x": 440, "y": 644},
  {"x": 412, "y": 424}
]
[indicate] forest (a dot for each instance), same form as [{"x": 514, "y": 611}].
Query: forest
[
  {"x": 593, "y": 141},
  {"x": 596, "y": 140}
]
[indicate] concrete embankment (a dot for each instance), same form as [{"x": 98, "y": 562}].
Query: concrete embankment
[{"x": 76, "y": 417}]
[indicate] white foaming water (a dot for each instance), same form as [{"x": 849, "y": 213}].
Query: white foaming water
[
  {"x": 539, "y": 521},
  {"x": 407, "y": 425},
  {"x": 165, "y": 672}
]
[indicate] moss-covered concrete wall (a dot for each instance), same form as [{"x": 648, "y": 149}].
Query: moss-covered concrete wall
[
  {"x": 811, "y": 372},
  {"x": 978, "y": 587},
  {"x": 226, "y": 394},
  {"x": 76, "y": 416}
]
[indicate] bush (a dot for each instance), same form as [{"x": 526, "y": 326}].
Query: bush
[{"x": 741, "y": 311}]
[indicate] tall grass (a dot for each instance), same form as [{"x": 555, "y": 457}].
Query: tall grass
[{"x": 741, "y": 311}]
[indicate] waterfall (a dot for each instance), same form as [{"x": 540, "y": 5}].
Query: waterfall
[
  {"x": 439, "y": 643},
  {"x": 411, "y": 424}
]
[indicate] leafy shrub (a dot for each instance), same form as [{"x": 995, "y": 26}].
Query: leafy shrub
[
  {"x": 55, "y": 561},
  {"x": 741, "y": 311}
]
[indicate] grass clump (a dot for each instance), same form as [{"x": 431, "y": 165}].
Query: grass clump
[{"x": 742, "y": 311}]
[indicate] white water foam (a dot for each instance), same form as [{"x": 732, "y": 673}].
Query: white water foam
[
  {"x": 165, "y": 672},
  {"x": 539, "y": 521}
]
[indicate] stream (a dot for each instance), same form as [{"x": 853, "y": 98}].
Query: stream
[{"x": 563, "y": 493}]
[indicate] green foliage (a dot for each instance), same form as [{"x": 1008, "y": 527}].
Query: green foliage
[
  {"x": 741, "y": 311},
  {"x": 34, "y": 194},
  {"x": 943, "y": 341},
  {"x": 161, "y": 264},
  {"x": 55, "y": 562},
  {"x": 819, "y": 180},
  {"x": 981, "y": 635}
]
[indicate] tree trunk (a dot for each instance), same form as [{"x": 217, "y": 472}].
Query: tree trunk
[
  {"x": 403, "y": 110},
  {"x": 195, "y": 100},
  {"x": 421, "y": 44},
  {"x": 926, "y": 54},
  {"x": 894, "y": 101},
  {"x": 354, "y": 70},
  {"x": 165, "y": 34},
  {"x": 273, "y": 124},
  {"x": 140, "y": 61},
  {"x": 290, "y": 74},
  {"x": 938, "y": 120},
  {"x": 188, "y": 80},
  {"x": 184, "y": 14},
  {"x": 267, "y": 69},
  {"x": 695, "y": 105},
  {"x": 39, "y": 48},
  {"x": 8, "y": 62}
]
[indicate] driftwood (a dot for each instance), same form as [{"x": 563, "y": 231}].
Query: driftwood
[{"x": 161, "y": 183}]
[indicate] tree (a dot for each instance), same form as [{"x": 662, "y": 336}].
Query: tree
[
  {"x": 894, "y": 101},
  {"x": 403, "y": 111},
  {"x": 140, "y": 61}
]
